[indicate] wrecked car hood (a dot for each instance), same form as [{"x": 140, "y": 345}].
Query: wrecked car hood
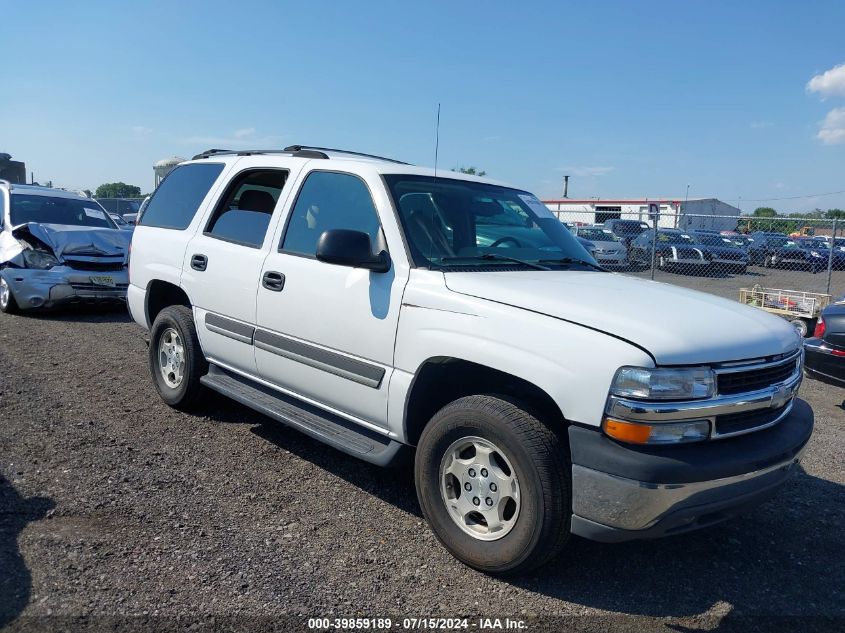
[{"x": 65, "y": 241}]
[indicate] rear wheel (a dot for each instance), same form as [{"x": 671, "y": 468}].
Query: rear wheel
[
  {"x": 176, "y": 360},
  {"x": 493, "y": 482},
  {"x": 7, "y": 298}
]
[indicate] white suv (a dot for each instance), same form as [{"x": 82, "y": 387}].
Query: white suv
[{"x": 386, "y": 309}]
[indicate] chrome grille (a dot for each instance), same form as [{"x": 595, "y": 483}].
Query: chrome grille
[{"x": 758, "y": 377}]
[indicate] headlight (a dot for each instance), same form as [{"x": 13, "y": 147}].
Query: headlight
[
  {"x": 664, "y": 383},
  {"x": 39, "y": 259}
]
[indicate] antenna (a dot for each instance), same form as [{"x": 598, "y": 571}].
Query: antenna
[{"x": 437, "y": 141}]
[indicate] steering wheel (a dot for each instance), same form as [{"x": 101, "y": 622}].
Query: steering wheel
[{"x": 504, "y": 239}]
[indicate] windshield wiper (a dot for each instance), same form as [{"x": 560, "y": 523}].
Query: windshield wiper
[
  {"x": 572, "y": 260},
  {"x": 498, "y": 258}
]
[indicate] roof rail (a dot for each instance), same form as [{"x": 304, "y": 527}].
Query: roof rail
[
  {"x": 302, "y": 153},
  {"x": 296, "y": 149}
]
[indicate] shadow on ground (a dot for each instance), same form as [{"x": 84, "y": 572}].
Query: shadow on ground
[
  {"x": 105, "y": 313},
  {"x": 15, "y": 578}
]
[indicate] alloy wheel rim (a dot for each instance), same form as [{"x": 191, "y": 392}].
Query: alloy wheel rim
[
  {"x": 480, "y": 488},
  {"x": 4, "y": 293},
  {"x": 171, "y": 358}
]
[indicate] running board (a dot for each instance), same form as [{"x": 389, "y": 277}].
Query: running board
[{"x": 327, "y": 427}]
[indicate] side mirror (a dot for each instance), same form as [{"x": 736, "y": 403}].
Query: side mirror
[{"x": 351, "y": 248}]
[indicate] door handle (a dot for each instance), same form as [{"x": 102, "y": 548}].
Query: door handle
[
  {"x": 199, "y": 262},
  {"x": 273, "y": 281}
]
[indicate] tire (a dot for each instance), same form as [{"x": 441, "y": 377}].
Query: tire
[
  {"x": 537, "y": 459},
  {"x": 8, "y": 304},
  {"x": 174, "y": 337}
]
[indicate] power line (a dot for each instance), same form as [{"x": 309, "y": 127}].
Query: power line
[{"x": 811, "y": 195}]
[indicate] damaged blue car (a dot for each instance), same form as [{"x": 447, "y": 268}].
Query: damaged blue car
[{"x": 58, "y": 247}]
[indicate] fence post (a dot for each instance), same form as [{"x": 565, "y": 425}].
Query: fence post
[
  {"x": 830, "y": 255},
  {"x": 655, "y": 221}
]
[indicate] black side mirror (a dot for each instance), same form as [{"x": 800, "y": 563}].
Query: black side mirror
[{"x": 351, "y": 248}]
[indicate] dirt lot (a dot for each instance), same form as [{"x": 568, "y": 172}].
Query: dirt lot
[{"x": 112, "y": 504}]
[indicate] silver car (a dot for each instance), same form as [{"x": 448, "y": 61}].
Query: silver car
[{"x": 609, "y": 250}]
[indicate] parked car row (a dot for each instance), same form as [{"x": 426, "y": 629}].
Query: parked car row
[{"x": 629, "y": 244}]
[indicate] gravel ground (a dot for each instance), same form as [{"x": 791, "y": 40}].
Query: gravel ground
[{"x": 112, "y": 504}]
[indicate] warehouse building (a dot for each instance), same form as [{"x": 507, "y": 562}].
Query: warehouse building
[{"x": 695, "y": 213}]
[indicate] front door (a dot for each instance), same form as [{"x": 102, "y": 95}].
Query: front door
[{"x": 327, "y": 335}]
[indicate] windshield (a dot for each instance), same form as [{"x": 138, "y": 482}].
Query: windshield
[
  {"x": 714, "y": 240},
  {"x": 55, "y": 210},
  {"x": 777, "y": 242},
  {"x": 674, "y": 238},
  {"x": 461, "y": 225},
  {"x": 596, "y": 235},
  {"x": 629, "y": 228}
]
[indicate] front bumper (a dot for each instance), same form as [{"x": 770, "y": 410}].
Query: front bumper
[
  {"x": 624, "y": 492},
  {"x": 61, "y": 285},
  {"x": 737, "y": 263},
  {"x": 820, "y": 362},
  {"x": 618, "y": 258}
]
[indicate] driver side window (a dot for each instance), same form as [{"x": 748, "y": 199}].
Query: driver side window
[{"x": 330, "y": 200}]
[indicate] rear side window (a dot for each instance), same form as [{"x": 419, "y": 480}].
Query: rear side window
[
  {"x": 178, "y": 197},
  {"x": 244, "y": 212}
]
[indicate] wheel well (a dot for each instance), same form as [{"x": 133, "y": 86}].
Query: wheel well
[
  {"x": 441, "y": 380},
  {"x": 161, "y": 294}
]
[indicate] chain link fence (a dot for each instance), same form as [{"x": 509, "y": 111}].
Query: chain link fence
[{"x": 788, "y": 266}]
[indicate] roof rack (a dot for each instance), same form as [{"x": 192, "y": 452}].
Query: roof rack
[
  {"x": 305, "y": 153},
  {"x": 300, "y": 151},
  {"x": 304, "y": 148}
]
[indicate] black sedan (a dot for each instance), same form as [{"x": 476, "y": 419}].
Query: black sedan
[
  {"x": 782, "y": 252},
  {"x": 723, "y": 252},
  {"x": 825, "y": 352},
  {"x": 837, "y": 258}
]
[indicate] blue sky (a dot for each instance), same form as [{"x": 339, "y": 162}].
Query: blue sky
[{"x": 629, "y": 98}]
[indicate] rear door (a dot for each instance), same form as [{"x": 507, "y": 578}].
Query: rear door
[{"x": 223, "y": 260}]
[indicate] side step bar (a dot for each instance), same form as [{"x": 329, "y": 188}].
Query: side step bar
[{"x": 331, "y": 429}]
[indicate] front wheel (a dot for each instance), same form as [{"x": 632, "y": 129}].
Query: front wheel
[
  {"x": 7, "y": 299},
  {"x": 176, "y": 359},
  {"x": 494, "y": 485}
]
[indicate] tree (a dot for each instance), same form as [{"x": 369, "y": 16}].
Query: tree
[
  {"x": 765, "y": 212},
  {"x": 830, "y": 214},
  {"x": 472, "y": 171},
  {"x": 117, "y": 190}
]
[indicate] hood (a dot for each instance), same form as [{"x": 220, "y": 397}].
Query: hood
[
  {"x": 66, "y": 240},
  {"x": 609, "y": 245},
  {"x": 675, "y": 325}
]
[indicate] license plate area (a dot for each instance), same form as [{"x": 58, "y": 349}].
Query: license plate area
[{"x": 103, "y": 280}]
